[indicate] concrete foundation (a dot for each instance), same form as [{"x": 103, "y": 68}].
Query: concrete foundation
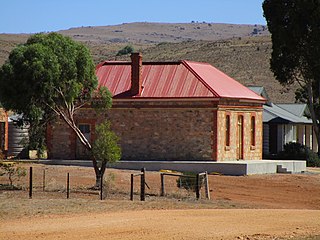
[{"x": 235, "y": 168}]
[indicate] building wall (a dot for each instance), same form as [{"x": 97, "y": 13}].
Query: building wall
[
  {"x": 164, "y": 131},
  {"x": 164, "y": 134},
  {"x": 60, "y": 141},
  {"x": 249, "y": 152}
]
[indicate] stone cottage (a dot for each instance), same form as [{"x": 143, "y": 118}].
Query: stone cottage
[{"x": 170, "y": 111}]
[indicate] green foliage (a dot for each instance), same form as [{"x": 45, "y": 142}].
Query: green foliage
[
  {"x": 39, "y": 71},
  {"x": 188, "y": 181},
  {"x": 102, "y": 99},
  {"x": 294, "y": 25},
  {"x": 37, "y": 140},
  {"x": 12, "y": 172},
  {"x": 297, "y": 151},
  {"x": 50, "y": 75},
  {"x": 105, "y": 148},
  {"x": 126, "y": 50}
]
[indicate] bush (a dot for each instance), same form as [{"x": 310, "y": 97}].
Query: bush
[
  {"x": 12, "y": 172},
  {"x": 188, "y": 181},
  {"x": 126, "y": 50},
  {"x": 313, "y": 160},
  {"x": 297, "y": 151}
]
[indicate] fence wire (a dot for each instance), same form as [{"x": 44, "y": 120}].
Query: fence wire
[{"x": 50, "y": 181}]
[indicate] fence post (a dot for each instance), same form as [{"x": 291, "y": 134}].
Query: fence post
[
  {"x": 162, "y": 184},
  {"x": 30, "y": 183},
  {"x": 207, "y": 186},
  {"x": 68, "y": 185},
  {"x": 44, "y": 180},
  {"x": 197, "y": 186},
  {"x": 131, "y": 188},
  {"x": 142, "y": 184}
]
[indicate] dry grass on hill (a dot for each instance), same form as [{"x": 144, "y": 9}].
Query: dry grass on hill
[{"x": 232, "y": 48}]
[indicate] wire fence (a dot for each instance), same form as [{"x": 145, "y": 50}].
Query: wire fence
[{"x": 50, "y": 181}]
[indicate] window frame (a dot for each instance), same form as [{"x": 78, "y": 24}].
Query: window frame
[
  {"x": 227, "y": 132},
  {"x": 253, "y": 131}
]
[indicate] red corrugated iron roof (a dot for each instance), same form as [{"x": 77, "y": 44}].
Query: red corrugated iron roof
[{"x": 183, "y": 79}]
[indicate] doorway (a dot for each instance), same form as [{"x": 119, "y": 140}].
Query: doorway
[{"x": 240, "y": 138}]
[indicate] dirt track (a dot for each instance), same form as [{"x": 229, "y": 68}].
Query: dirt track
[
  {"x": 168, "y": 224},
  {"x": 266, "y": 208}
]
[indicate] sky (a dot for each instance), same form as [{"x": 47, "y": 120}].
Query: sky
[{"x": 31, "y": 16}]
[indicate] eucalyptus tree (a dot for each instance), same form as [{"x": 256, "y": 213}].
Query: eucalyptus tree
[
  {"x": 52, "y": 75},
  {"x": 295, "y": 30}
]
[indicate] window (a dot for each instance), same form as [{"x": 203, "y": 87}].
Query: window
[
  {"x": 227, "y": 130},
  {"x": 84, "y": 128},
  {"x": 290, "y": 133},
  {"x": 253, "y": 131}
]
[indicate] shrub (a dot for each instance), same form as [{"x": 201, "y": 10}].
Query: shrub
[
  {"x": 313, "y": 160},
  {"x": 14, "y": 173},
  {"x": 126, "y": 50},
  {"x": 297, "y": 151},
  {"x": 188, "y": 181}
]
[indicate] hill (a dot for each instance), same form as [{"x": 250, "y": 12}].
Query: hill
[
  {"x": 241, "y": 51},
  {"x": 153, "y": 33}
]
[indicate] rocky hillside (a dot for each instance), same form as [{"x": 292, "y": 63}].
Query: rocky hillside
[
  {"x": 241, "y": 51},
  {"x": 153, "y": 33}
]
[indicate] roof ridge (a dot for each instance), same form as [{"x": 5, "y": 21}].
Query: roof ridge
[{"x": 185, "y": 63}]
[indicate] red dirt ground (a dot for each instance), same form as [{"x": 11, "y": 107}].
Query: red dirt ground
[{"x": 248, "y": 207}]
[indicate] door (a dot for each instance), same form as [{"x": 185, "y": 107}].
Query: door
[
  {"x": 273, "y": 139},
  {"x": 240, "y": 138},
  {"x": 81, "y": 151}
]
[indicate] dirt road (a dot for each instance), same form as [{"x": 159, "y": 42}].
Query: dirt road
[{"x": 168, "y": 224}]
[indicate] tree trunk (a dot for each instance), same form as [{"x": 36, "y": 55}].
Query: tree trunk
[
  {"x": 99, "y": 172},
  {"x": 313, "y": 114}
]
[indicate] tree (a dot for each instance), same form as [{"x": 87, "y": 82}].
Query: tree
[
  {"x": 51, "y": 75},
  {"x": 105, "y": 148},
  {"x": 295, "y": 30},
  {"x": 13, "y": 172},
  {"x": 126, "y": 50}
]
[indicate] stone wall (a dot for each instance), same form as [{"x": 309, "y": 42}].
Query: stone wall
[
  {"x": 249, "y": 151},
  {"x": 164, "y": 134},
  {"x": 166, "y": 131},
  {"x": 60, "y": 141}
]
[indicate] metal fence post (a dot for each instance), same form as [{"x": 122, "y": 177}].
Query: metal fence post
[
  {"x": 162, "y": 184},
  {"x": 142, "y": 184},
  {"x": 197, "y": 186},
  {"x": 131, "y": 188},
  {"x": 68, "y": 185}
]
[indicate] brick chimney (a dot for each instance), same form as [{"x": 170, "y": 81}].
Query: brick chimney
[{"x": 136, "y": 68}]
